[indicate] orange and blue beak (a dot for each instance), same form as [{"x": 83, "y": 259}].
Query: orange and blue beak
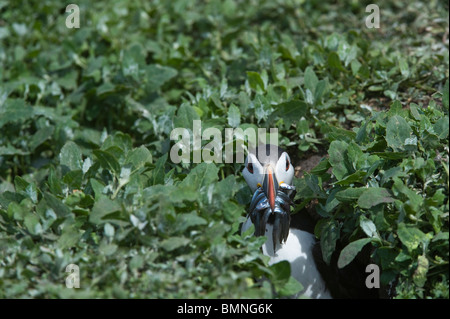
[{"x": 270, "y": 187}]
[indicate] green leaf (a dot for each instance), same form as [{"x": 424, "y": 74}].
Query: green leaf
[
  {"x": 185, "y": 117},
  {"x": 204, "y": 174},
  {"x": 413, "y": 108},
  {"x": 355, "y": 155},
  {"x": 337, "y": 133},
  {"x": 232, "y": 211},
  {"x": 410, "y": 196},
  {"x": 391, "y": 173},
  {"x": 103, "y": 207},
  {"x": 70, "y": 156},
  {"x": 20, "y": 184},
  {"x": 329, "y": 235},
  {"x": 441, "y": 236},
  {"x": 32, "y": 224},
  {"x": 387, "y": 257},
  {"x": 255, "y": 81},
  {"x": 410, "y": 236},
  {"x": 322, "y": 167},
  {"x": 346, "y": 52},
  {"x": 403, "y": 65},
  {"x": 355, "y": 66},
  {"x": 109, "y": 230},
  {"x": 184, "y": 221},
  {"x": 32, "y": 192},
  {"x": 289, "y": 111},
  {"x": 320, "y": 90},
  {"x": 158, "y": 172},
  {"x": 16, "y": 211},
  {"x": 105, "y": 89},
  {"x": 281, "y": 271},
  {"x": 351, "y": 250},
  {"x": 420, "y": 275},
  {"x": 285, "y": 284},
  {"x": 107, "y": 249},
  {"x": 310, "y": 79},
  {"x": 40, "y": 137},
  {"x": 118, "y": 143},
  {"x": 290, "y": 288},
  {"x": 356, "y": 177},
  {"x": 397, "y": 131},
  {"x": 69, "y": 238},
  {"x": 441, "y": 127},
  {"x": 368, "y": 227},
  {"x": 139, "y": 157},
  {"x": 338, "y": 159},
  {"x": 137, "y": 262},
  {"x": 74, "y": 179},
  {"x": 8, "y": 197},
  {"x": 58, "y": 207},
  {"x": 234, "y": 116},
  {"x": 157, "y": 75},
  {"x": 97, "y": 187},
  {"x": 374, "y": 196},
  {"x": 54, "y": 182},
  {"x": 330, "y": 204},
  {"x": 14, "y": 110},
  {"x": 107, "y": 161},
  {"x": 173, "y": 243},
  {"x": 391, "y": 155},
  {"x": 334, "y": 62},
  {"x": 225, "y": 189},
  {"x": 9, "y": 150},
  {"x": 350, "y": 194}
]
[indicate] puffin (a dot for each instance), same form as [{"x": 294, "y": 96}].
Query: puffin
[{"x": 269, "y": 173}]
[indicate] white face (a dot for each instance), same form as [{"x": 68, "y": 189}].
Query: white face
[{"x": 254, "y": 172}]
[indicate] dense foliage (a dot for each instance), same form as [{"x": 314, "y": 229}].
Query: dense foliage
[
  {"x": 390, "y": 189},
  {"x": 85, "y": 122}
]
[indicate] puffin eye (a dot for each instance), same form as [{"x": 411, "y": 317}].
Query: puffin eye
[
  {"x": 250, "y": 167},
  {"x": 287, "y": 164}
]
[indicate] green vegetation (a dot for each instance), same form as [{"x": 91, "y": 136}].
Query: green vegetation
[
  {"x": 391, "y": 190},
  {"x": 85, "y": 122}
]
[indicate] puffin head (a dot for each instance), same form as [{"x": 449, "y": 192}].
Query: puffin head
[{"x": 268, "y": 167}]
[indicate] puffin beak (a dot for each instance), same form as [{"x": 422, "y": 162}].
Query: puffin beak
[{"x": 270, "y": 186}]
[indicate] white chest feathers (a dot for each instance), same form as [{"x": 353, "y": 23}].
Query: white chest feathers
[{"x": 297, "y": 250}]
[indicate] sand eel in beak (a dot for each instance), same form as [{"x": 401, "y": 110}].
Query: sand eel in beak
[{"x": 269, "y": 173}]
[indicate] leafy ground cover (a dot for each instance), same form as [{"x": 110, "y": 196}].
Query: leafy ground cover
[{"x": 85, "y": 122}]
